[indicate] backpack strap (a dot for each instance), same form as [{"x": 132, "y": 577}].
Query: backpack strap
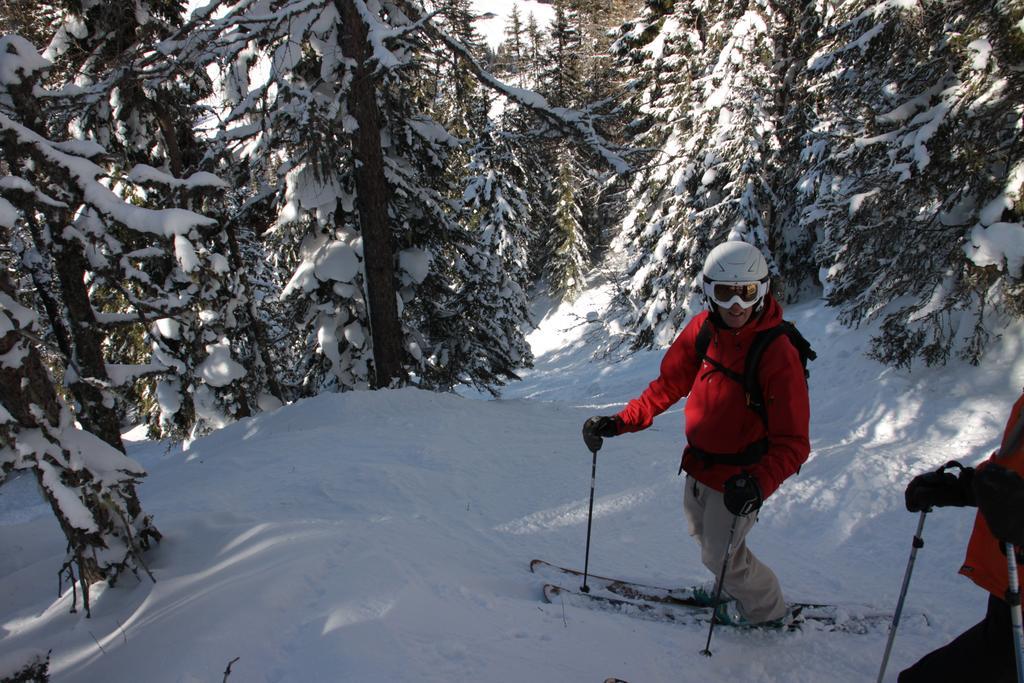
[
  {"x": 704, "y": 338},
  {"x": 751, "y": 385},
  {"x": 762, "y": 340}
]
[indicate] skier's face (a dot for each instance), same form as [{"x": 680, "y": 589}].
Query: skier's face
[{"x": 735, "y": 316}]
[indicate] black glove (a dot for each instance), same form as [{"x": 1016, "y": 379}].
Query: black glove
[
  {"x": 1000, "y": 496},
  {"x": 595, "y": 428},
  {"x": 742, "y": 494},
  {"x": 940, "y": 489}
]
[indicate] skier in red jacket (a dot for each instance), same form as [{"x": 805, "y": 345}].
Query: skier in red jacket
[{"x": 735, "y": 457}]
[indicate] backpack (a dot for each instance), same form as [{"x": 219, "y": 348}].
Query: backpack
[{"x": 751, "y": 386}]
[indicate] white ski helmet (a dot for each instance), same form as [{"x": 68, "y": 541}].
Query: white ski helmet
[{"x": 735, "y": 272}]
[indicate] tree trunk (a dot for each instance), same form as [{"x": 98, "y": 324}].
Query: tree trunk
[
  {"x": 372, "y": 203},
  {"x": 96, "y": 411}
]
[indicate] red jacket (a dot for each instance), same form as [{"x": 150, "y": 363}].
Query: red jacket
[
  {"x": 985, "y": 564},
  {"x": 716, "y": 414}
]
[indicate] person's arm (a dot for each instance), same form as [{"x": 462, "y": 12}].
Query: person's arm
[
  {"x": 999, "y": 493},
  {"x": 784, "y": 391},
  {"x": 679, "y": 367}
]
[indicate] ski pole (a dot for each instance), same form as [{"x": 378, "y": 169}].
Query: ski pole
[
  {"x": 1013, "y": 597},
  {"x": 590, "y": 518},
  {"x": 718, "y": 588},
  {"x": 916, "y": 545},
  {"x": 1013, "y": 591}
]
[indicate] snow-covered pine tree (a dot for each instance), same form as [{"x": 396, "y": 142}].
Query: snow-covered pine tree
[
  {"x": 460, "y": 103},
  {"x": 292, "y": 130},
  {"x": 605, "y": 95},
  {"x": 468, "y": 314},
  {"x": 497, "y": 206},
  {"x": 534, "y": 44},
  {"x": 915, "y": 172},
  {"x": 512, "y": 52},
  {"x": 139, "y": 113},
  {"x": 792, "y": 240},
  {"x": 709, "y": 97},
  {"x": 89, "y": 484},
  {"x": 57, "y": 265},
  {"x": 565, "y": 242},
  {"x": 563, "y": 58},
  {"x": 567, "y": 250},
  {"x": 472, "y": 306}
]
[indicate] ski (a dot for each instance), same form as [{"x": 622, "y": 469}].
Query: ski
[
  {"x": 608, "y": 587},
  {"x": 675, "y": 614},
  {"x": 667, "y": 605}
]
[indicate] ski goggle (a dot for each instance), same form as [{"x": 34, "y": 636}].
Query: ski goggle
[{"x": 725, "y": 294}]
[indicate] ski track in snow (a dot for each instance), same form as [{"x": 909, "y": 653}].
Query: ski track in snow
[{"x": 386, "y": 536}]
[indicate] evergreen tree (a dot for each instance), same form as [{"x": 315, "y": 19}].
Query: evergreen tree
[
  {"x": 88, "y": 483},
  {"x": 54, "y": 186},
  {"x": 563, "y": 248},
  {"x": 484, "y": 272},
  {"x": 792, "y": 240},
  {"x": 561, "y": 76},
  {"x": 512, "y": 53},
  {"x": 534, "y": 44},
  {"x": 708, "y": 94},
  {"x": 143, "y": 285},
  {"x": 567, "y": 249},
  {"x": 912, "y": 190}
]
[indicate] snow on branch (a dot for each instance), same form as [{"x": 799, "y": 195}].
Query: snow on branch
[
  {"x": 142, "y": 173},
  {"x": 378, "y": 34},
  {"x": 15, "y": 185},
  {"x": 166, "y": 222}
]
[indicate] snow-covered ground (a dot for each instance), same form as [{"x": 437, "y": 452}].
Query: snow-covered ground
[{"x": 386, "y": 536}]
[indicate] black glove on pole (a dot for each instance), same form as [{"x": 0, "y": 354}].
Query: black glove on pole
[
  {"x": 598, "y": 427},
  {"x": 940, "y": 489},
  {"x": 925, "y": 490},
  {"x": 742, "y": 494}
]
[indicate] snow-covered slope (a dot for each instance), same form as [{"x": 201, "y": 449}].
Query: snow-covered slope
[
  {"x": 385, "y": 536},
  {"x": 494, "y": 14}
]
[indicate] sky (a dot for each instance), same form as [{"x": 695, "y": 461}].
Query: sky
[{"x": 386, "y": 536}]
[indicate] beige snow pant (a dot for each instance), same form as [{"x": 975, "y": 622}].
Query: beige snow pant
[{"x": 754, "y": 586}]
